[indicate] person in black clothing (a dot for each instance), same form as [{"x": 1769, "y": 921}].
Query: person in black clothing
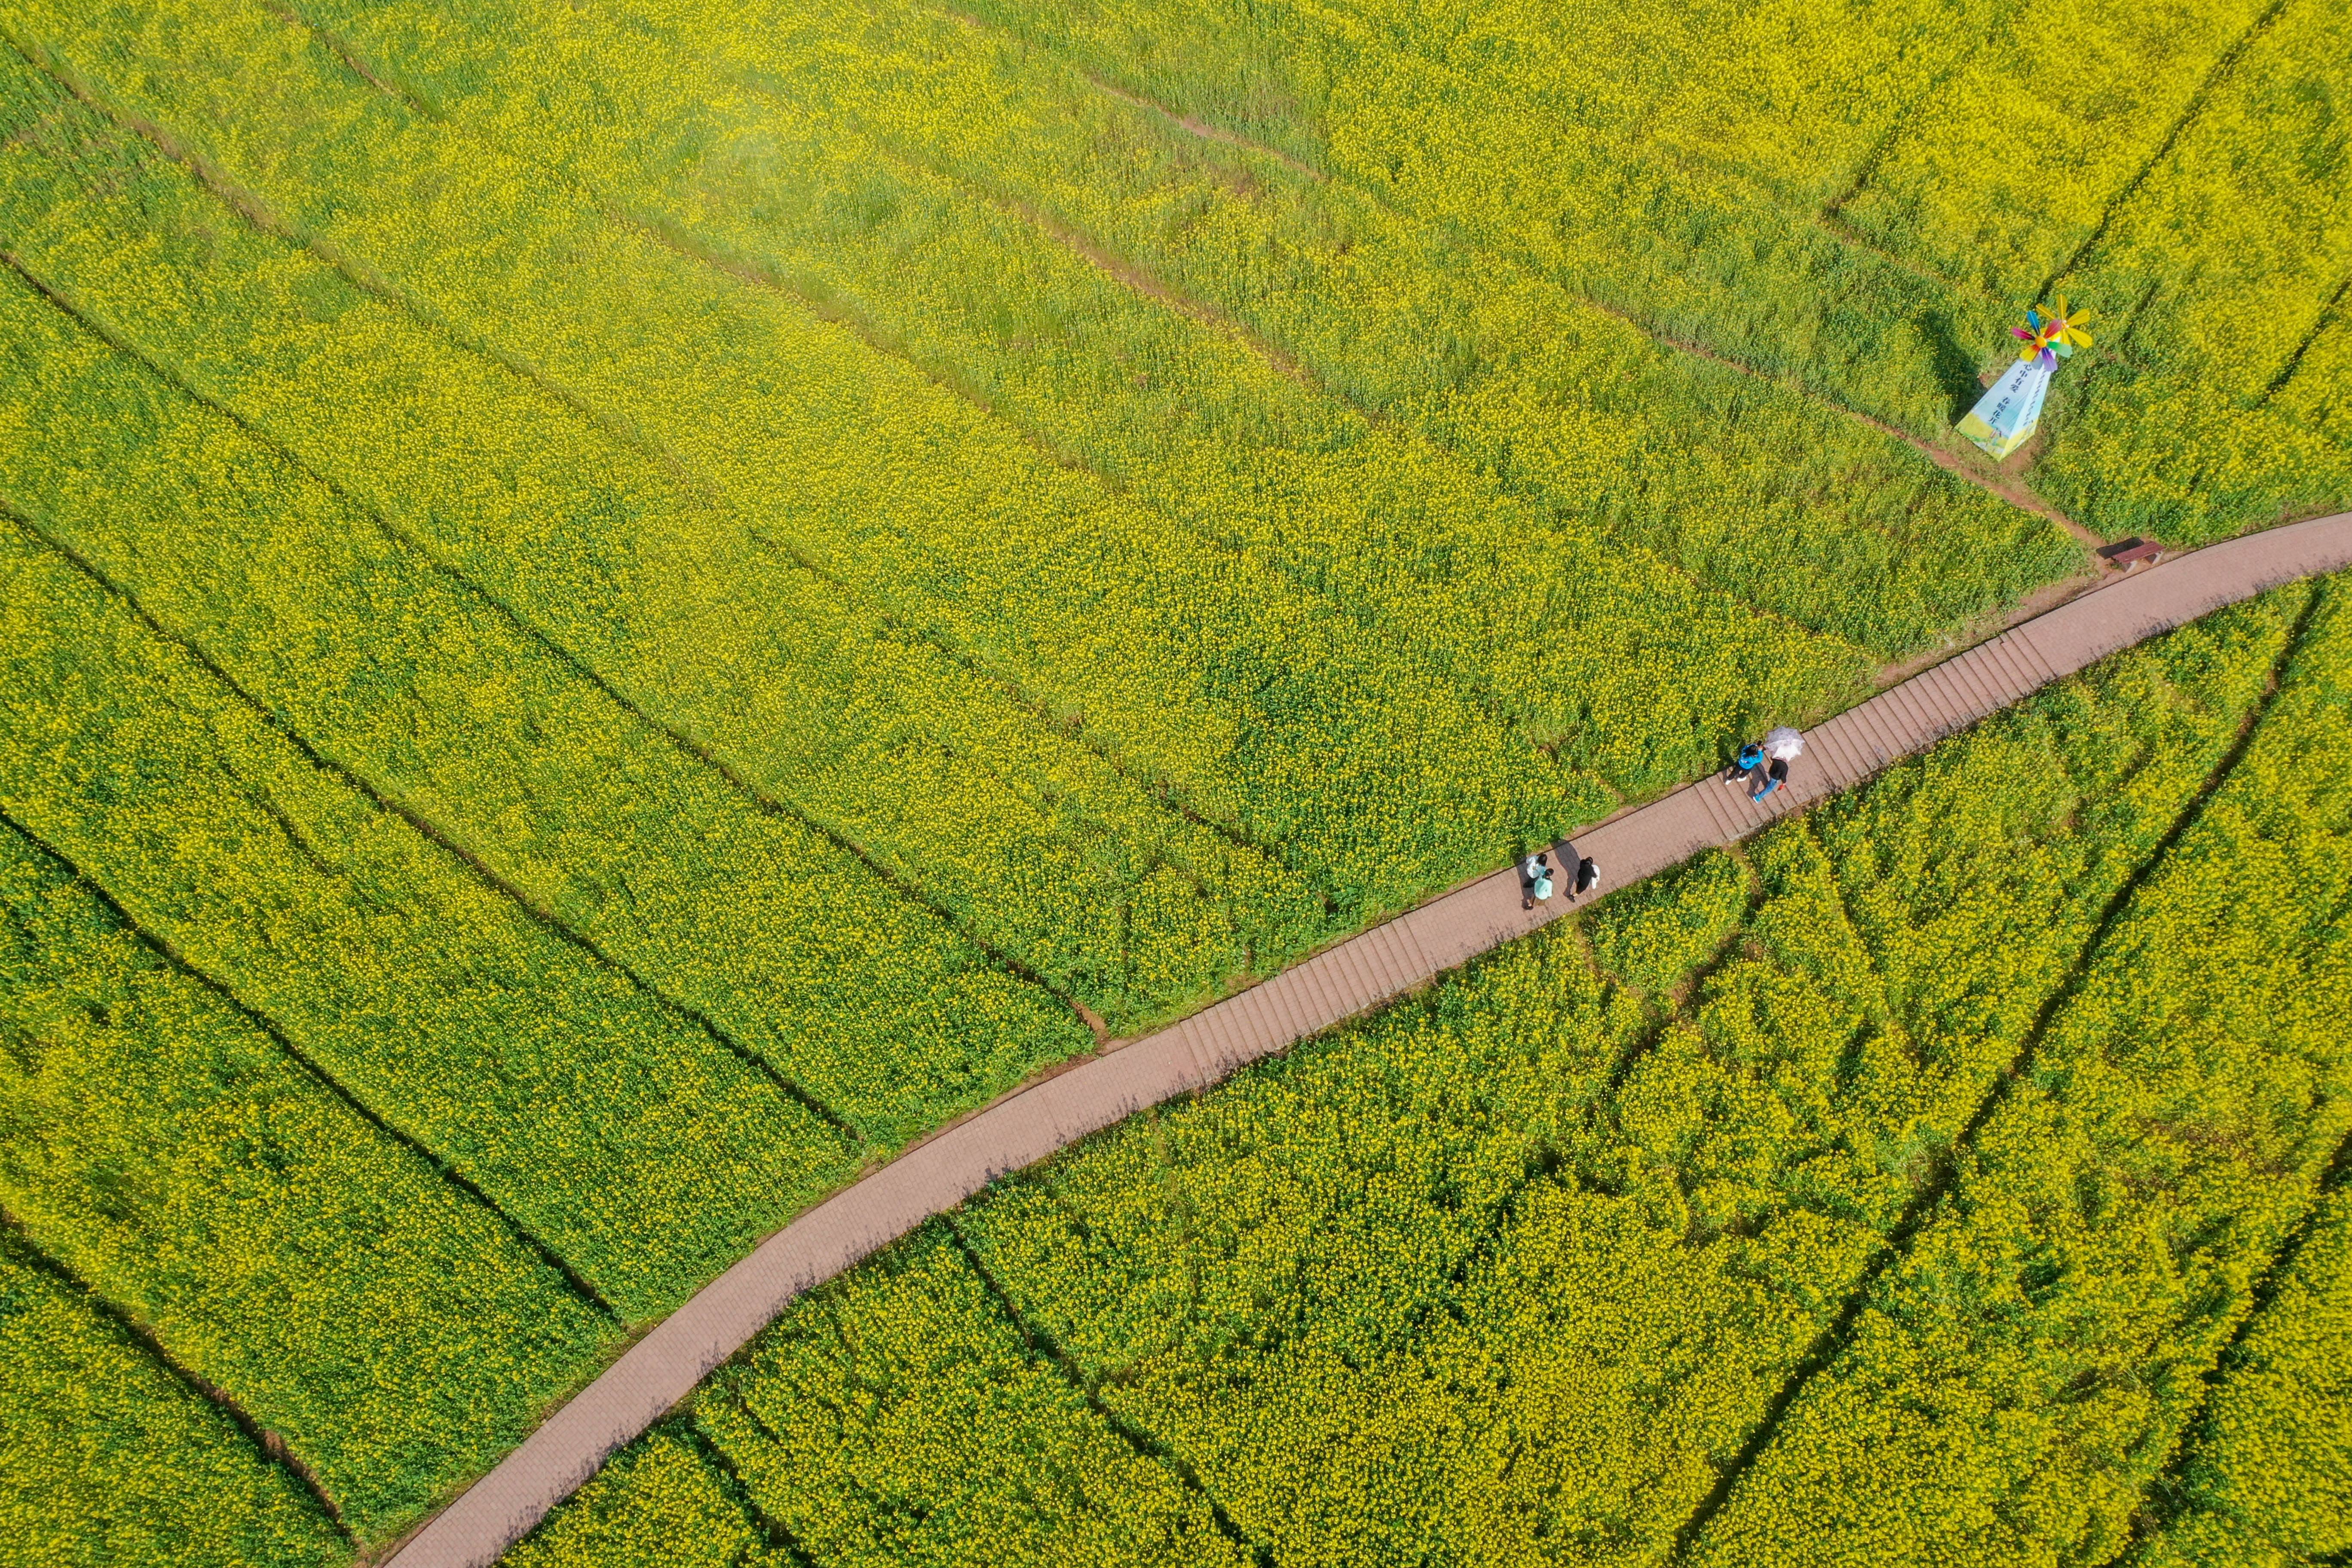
[{"x": 1587, "y": 876}]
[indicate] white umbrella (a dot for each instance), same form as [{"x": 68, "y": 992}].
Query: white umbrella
[{"x": 1785, "y": 744}]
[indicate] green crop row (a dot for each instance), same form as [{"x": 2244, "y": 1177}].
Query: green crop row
[
  {"x": 107, "y": 1459},
  {"x": 860, "y": 997},
  {"x": 656, "y": 1502},
  {"x": 1516, "y": 1270},
  {"x": 1024, "y": 836},
  {"x": 637, "y": 1148},
  {"x": 1001, "y": 224},
  {"x": 390, "y": 1328},
  {"x": 2009, "y": 1388},
  {"x": 2266, "y": 1475},
  {"x": 856, "y": 1427},
  {"x": 1254, "y": 703}
]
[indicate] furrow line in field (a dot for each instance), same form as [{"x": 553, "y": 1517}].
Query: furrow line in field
[
  {"x": 686, "y": 743},
  {"x": 435, "y": 834},
  {"x": 1831, "y": 219},
  {"x": 721, "y": 1465},
  {"x": 164, "y": 949},
  {"x": 1874, "y": 966},
  {"x": 2162, "y": 1499},
  {"x": 1200, "y": 128},
  {"x": 1837, "y": 230},
  {"x": 1866, "y": 169},
  {"x": 256, "y": 213},
  {"x": 1834, "y": 1336},
  {"x": 1042, "y": 1345},
  {"x": 269, "y": 1444},
  {"x": 2326, "y": 318},
  {"x": 2002, "y": 487},
  {"x": 1168, "y": 796},
  {"x": 918, "y": 166},
  {"x": 1166, "y": 792},
  {"x": 341, "y": 49},
  {"x": 1671, "y": 1008},
  {"x": 1542, "y": 1164},
  {"x": 1140, "y": 281},
  {"x": 1128, "y": 276},
  {"x": 2214, "y": 78}
]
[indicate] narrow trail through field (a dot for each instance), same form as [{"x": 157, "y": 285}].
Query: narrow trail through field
[{"x": 1357, "y": 975}]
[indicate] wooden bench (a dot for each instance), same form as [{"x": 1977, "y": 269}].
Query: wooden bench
[{"x": 2133, "y": 552}]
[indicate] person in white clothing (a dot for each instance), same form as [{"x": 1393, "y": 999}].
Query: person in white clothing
[
  {"x": 1784, "y": 747},
  {"x": 1536, "y": 870}
]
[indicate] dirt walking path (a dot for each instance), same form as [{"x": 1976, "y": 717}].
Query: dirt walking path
[{"x": 1356, "y": 977}]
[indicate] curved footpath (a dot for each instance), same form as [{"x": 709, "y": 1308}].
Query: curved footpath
[{"x": 1362, "y": 974}]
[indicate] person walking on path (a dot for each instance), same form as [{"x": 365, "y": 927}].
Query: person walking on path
[
  {"x": 1587, "y": 876},
  {"x": 1744, "y": 766},
  {"x": 1537, "y": 871},
  {"x": 1784, "y": 747}
]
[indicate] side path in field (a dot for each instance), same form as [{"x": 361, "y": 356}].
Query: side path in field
[{"x": 1357, "y": 975}]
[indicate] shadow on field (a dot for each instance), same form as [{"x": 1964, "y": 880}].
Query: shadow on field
[{"x": 1956, "y": 368}]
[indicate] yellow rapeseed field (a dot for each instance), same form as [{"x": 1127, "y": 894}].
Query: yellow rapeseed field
[{"x": 610, "y": 609}]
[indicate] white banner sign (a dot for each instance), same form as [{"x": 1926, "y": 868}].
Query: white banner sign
[{"x": 2004, "y": 418}]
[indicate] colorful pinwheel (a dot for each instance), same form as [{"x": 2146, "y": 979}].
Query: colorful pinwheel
[{"x": 2051, "y": 336}]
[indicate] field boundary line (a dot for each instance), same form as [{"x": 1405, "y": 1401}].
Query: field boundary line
[
  {"x": 660, "y": 231},
  {"x": 432, "y": 832},
  {"x": 2162, "y": 1501},
  {"x": 1041, "y": 1346},
  {"x": 779, "y": 1537},
  {"x": 273, "y": 1447},
  {"x": 1168, "y": 794},
  {"x": 163, "y": 948},
  {"x": 1038, "y": 1119},
  {"x": 248, "y": 208},
  {"x": 2217, "y": 75},
  {"x": 2326, "y": 318}
]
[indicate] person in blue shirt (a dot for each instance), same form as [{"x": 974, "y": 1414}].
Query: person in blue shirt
[{"x": 1744, "y": 766}]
